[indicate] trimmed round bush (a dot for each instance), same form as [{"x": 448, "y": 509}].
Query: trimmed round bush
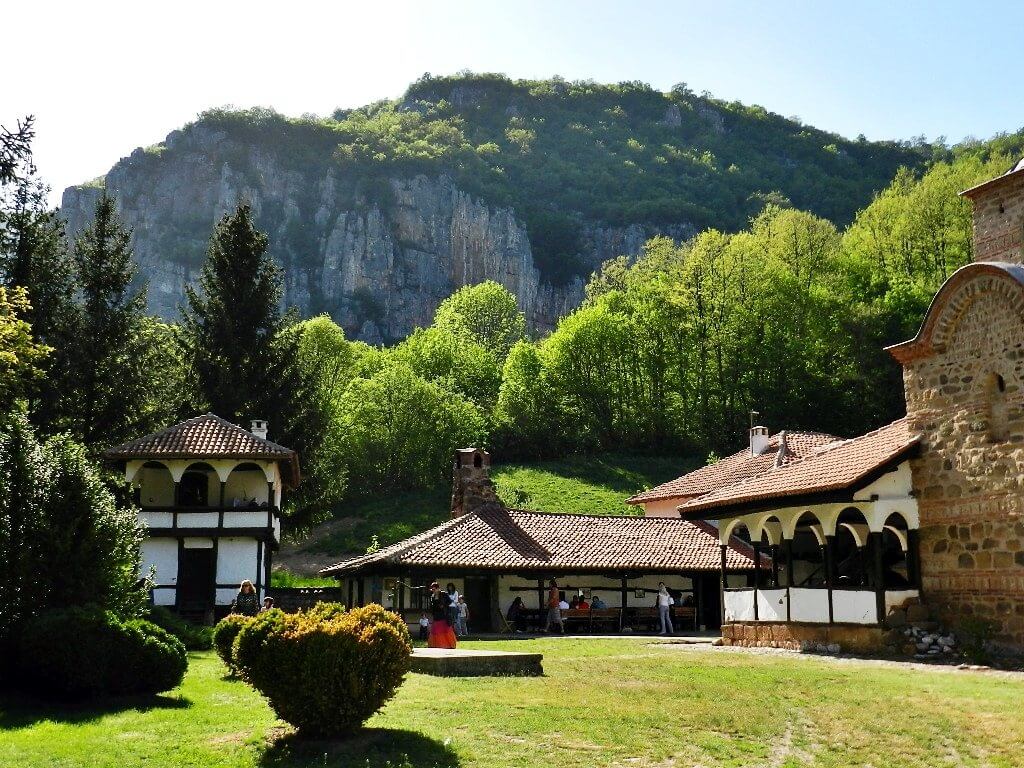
[
  {"x": 88, "y": 652},
  {"x": 328, "y": 670},
  {"x": 224, "y": 635}
]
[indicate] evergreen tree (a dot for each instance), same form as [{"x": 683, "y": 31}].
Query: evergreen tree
[
  {"x": 240, "y": 360},
  {"x": 113, "y": 367}
]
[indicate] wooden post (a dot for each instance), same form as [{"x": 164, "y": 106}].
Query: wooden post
[
  {"x": 757, "y": 572},
  {"x": 875, "y": 537},
  {"x": 725, "y": 580},
  {"x": 624, "y": 602},
  {"x": 223, "y": 486},
  {"x": 787, "y": 548},
  {"x": 775, "y": 564},
  {"x": 830, "y": 569}
]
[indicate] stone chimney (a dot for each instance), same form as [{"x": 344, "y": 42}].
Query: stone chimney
[
  {"x": 259, "y": 428},
  {"x": 999, "y": 217},
  {"x": 758, "y": 440},
  {"x": 471, "y": 481}
]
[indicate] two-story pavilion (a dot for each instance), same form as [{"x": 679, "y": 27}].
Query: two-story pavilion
[{"x": 210, "y": 495}]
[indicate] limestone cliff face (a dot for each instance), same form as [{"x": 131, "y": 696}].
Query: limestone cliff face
[{"x": 378, "y": 260}]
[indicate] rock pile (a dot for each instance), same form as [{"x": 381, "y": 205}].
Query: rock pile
[
  {"x": 925, "y": 644},
  {"x": 808, "y": 646}
]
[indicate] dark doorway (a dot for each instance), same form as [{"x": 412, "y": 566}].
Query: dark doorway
[
  {"x": 481, "y": 612},
  {"x": 709, "y": 598},
  {"x": 193, "y": 490},
  {"x": 197, "y": 571}
]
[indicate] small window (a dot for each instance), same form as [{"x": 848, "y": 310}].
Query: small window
[{"x": 998, "y": 411}]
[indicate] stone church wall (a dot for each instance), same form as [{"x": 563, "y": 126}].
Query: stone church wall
[
  {"x": 999, "y": 222},
  {"x": 967, "y": 401}
]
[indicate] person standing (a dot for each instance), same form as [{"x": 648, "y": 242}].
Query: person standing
[
  {"x": 554, "y": 609},
  {"x": 665, "y": 601},
  {"x": 462, "y": 628},
  {"x": 453, "y": 610},
  {"x": 247, "y": 602},
  {"x": 424, "y": 626},
  {"x": 441, "y": 634}
]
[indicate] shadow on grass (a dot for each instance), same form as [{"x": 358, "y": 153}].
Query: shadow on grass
[
  {"x": 18, "y": 710},
  {"x": 370, "y": 748}
]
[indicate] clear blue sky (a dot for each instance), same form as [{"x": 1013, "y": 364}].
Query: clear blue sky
[{"x": 105, "y": 77}]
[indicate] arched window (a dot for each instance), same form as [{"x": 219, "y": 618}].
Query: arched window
[{"x": 995, "y": 404}]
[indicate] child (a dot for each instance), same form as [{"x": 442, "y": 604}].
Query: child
[{"x": 424, "y": 626}]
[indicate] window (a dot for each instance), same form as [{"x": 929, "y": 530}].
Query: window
[{"x": 995, "y": 402}]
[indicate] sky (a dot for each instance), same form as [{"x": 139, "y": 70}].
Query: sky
[{"x": 105, "y": 77}]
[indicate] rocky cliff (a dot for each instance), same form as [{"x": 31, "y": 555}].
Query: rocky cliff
[{"x": 379, "y": 260}]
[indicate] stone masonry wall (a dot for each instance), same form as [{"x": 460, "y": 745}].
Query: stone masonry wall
[
  {"x": 791, "y": 635},
  {"x": 970, "y": 474},
  {"x": 999, "y": 222}
]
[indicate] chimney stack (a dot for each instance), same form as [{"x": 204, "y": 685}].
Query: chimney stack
[
  {"x": 758, "y": 440},
  {"x": 259, "y": 428},
  {"x": 471, "y": 481}
]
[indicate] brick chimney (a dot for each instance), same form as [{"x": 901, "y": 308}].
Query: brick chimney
[
  {"x": 259, "y": 428},
  {"x": 471, "y": 481},
  {"x": 999, "y": 217}
]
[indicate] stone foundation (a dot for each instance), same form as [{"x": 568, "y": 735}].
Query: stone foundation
[{"x": 851, "y": 637}]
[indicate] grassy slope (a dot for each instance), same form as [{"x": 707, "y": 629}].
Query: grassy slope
[
  {"x": 601, "y": 703},
  {"x": 592, "y": 485}
]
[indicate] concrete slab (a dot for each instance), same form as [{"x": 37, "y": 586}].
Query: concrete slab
[{"x": 461, "y": 662}]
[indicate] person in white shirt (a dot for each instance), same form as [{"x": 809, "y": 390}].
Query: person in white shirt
[
  {"x": 462, "y": 628},
  {"x": 562, "y": 605},
  {"x": 453, "y": 606},
  {"x": 665, "y": 602}
]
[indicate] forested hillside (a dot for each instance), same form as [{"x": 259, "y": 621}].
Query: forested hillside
[{"x": 377, "y": 214}]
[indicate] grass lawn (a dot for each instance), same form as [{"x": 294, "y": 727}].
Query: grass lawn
[
  {"x": 581, "y": 484},
  {"x": 602, "y": 703}
]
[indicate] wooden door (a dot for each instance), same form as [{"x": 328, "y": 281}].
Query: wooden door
[
  {"x": 197, "y": 573},
  {"x": 478, "y": 597}
]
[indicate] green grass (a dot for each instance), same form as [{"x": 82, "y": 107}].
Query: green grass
[
  {"x": 581, "y": 484},
  {"x": 600, "y": 703},
  {"x": 282, "y": 577}
]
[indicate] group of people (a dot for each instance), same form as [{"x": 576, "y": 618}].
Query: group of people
[
  {"x": 556, "y": 604},
  {"x": 447, "y": 619}
]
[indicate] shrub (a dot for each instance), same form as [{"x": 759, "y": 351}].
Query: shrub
[
  {"x": 193, "y": 636},
  {"x": 87, "y": 652},
  {"x": 224, "y": 635},
  {"x": 328, "y": 670}
]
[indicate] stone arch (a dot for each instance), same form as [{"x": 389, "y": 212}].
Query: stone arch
[
  {"x": 153, "y": 482},
  {"x": 198, "y": 485},
  {"x": 955, "y": 297},
  {"x": 246, "y": 485},
  {"x": 807, "y": 550},
  {"x": 850, "y": 548},
  {"x": 895, "y": 543}
]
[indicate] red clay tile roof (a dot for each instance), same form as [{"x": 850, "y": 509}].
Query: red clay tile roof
[
  {"x": 496, "y": 538},
  {"x": 835, "y": 467},
  {"x": 739, "y": 466},
  {"x": 205, "y": 437}
]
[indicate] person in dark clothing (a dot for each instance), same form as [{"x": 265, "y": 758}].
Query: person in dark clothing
[
  {"x": 515, "y": 615},
  {"x": 441, "y": 633},
  {"x": 247, "y": 602}
]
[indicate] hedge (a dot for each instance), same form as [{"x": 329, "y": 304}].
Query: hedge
[
  {"x": 224, "y": 635},
  {"x": 325, "y": 671},
  {"x": 88, "y": 652}
]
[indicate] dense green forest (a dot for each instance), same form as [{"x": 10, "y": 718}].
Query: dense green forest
[
  {"x": 566, "y": 153},
  {"x": 787, "y": 315}
]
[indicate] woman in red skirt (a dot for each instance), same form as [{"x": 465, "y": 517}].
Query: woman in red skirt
[{"x": 441, "y": 633}]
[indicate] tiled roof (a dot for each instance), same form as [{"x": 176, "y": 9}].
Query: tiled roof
[
  {"x": 204, "y": 437},
  {"x": 739, "y": 466},
  {"x": 836, "y": 467},
  {"x": 493, "y": 537},
  {"x": 1017, "y": 168}
]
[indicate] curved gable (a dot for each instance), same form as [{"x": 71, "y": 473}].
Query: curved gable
[{"x": 956, "y": 296}]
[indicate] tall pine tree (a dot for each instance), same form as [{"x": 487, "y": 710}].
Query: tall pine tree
[
  {"x": 113, "y": 386},
  {"x": 241, "y": 362},
  {"x": 243, "y": 356}
]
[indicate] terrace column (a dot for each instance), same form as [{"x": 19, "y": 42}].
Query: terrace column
[
  {"x": 756, "y": 545},
  {"x": 875, "y": 538},
  {"x": 787, "y": 548},
  {"x": 775, "y": 564},
  {"x": 725, "y": 581},
  {"x": 830, "y": 571}
]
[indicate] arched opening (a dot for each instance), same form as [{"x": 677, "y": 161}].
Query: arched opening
[
  {"x": 996, "y": 407},
  {"x": 740, "y": 531},
  {"x": 896, "y": 564},
  {"x": 850, "y": 549},
  {"x": 478, "y": 460},
  {"x": 154, "y": 486},
  {"x": 771, "y": 543},
  {"x": 808, "y": 552},
  {"x": 246, "y": 487},
  {"x": 194, "y": 486}
]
